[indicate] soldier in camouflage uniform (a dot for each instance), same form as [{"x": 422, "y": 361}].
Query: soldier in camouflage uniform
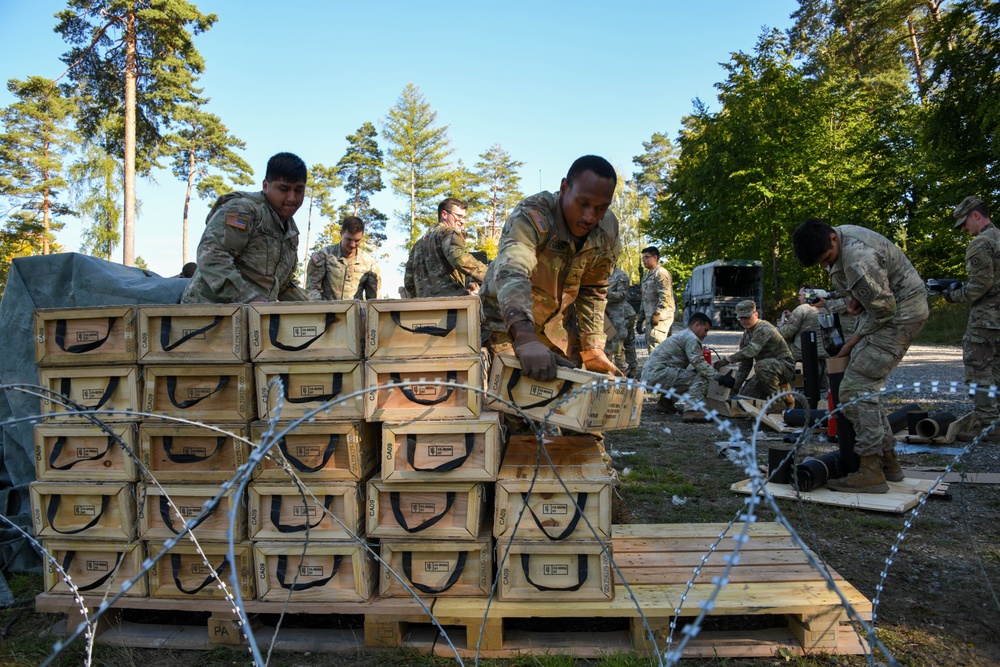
[
  {"x": 657, "y": 299},
  {"x": 981, "y": 343},
  {"x": 876, "y": 282},
  {"x": 343, "y": 270},
  {"x": 621, "y": 314},
  {"x": 439, "y": 264},
  {"x": 679, "y": 364},
  {"x": 544, "y": 295},
  {"x": 763, "y": 350},
  {"x": 804, "y": 318},
  {"x": 249, "y": 249}
]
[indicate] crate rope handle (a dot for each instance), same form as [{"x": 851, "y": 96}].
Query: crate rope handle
[
  {"x": 272, "y": 332},
  {"x": 288, "y": 528},
  {"x": 68, "y": 562},
  {"x": 450, "y": 322},
  {"x": 57, "y": 449},
  {"x": 283, "y": 568},
  {"x": 582, "y": 569},
  {"x": 65, "y": 386},
  {"x": 184, "y": 405},
  {"x": 401, "y": 520},
  {"x": 408, "y": 393},
  {"x": 175, "y": 565},
  {"x": 168, "y": 522},
  {"x": 168, "y": 446},
  {"x": 580, "y": 506},
  {"x": 411, "y": 451},
  {"x": 430, "y": 590},
  {"x": 515, "y": 377},
  {"x": 331, "y": 447},
  {"x": 54, "y": 508},
  {"x": 84, "y": 347},
  {"x": 338, "y": 384},
  {"x": 165, "y": 333}
]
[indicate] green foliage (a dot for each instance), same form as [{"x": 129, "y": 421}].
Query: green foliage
[
  {"x": 498, "y": 172},
  {"x": 631, "y": 208},
  {"x": 360, "y": 169},
  {"x": 320, "y": 188},
  {"x": 96, "y": 186}
]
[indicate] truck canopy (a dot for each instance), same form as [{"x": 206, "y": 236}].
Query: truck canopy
[{"x": 716, "y": 287}]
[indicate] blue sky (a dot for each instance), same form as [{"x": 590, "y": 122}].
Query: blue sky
[{"x": 549, "y": 81}]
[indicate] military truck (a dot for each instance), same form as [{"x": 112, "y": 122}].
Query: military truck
[{"x": 715, "y": 289}]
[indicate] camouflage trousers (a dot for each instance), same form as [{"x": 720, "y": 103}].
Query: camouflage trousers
[
  {"x": 621, "y": 348},
  {"x": 769, "y": 375},
  {"x": 980, "y": 348},
  {"x": 658, "y": 334},
  {"x": 681, "y": 380},
  {"x": 872, "y": 359}
]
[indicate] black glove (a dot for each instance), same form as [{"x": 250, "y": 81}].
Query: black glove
[
  {"x": 948, "y": 294},
  {"x": 726, "y": 380}
]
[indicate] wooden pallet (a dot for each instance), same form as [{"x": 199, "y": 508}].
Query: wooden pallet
[{"x": 902, "y": 496}]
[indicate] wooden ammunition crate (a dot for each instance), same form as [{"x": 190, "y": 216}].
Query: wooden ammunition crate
[
  {"x": 547, "y": 571},
  {"x": 113, "y": 391},
  {"x": 327, "y": 572},
  {"x": 616, "y": 407},
  {"x": 415, "y": 401},
  {"x": 310, "y": 331},
  {"x": 85, "y": 336},
  {"x": 429, "y": 451},
  {"x": 159, "y": 521},
  {"x": 98, "y": 567},
  {"x": 318, "y": 451},
  {"x": 543, "y": 400},
  {"x": 437, "y": 568},
  {"x": 186, "y": 333},
  {"x": 331, "y": 510},
  {"x": 552, "y": 512},
  {"x": 309, "y": 385},
  {"x": 188, "y": 454},
  {"x": 85, "y": 453},
  {"x": 92, "y": 510},
  {"x": 183, "y": 574},
  {"x": 201, "y": 392},
  {"x": 438, "y": 511},
  {"x": 423, "y": 328}
]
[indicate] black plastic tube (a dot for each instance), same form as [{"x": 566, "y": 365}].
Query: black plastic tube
[
  {"x": 815, "y": 472},
  {"x": 810, "y": 368}
]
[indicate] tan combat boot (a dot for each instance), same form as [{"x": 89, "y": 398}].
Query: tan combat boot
[
  {"x": 890, "y": 466},
  {"x": 869, "y": 478}
]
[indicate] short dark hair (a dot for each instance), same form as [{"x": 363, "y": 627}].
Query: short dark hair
[
  {"x": 286, "y": 167},
  {"x": 593, "y": 163},
  {"x": 811, "y": 240},
  {"x": 650, "y": 250},
  {"x": 450, "y": 203},
  {"x": 699, "y": 318},
  {"x": 352, "y": 224},
  {"x": 982, "y": 209}
]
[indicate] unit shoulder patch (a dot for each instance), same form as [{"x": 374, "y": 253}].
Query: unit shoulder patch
[{"x": 536, "y": 218}]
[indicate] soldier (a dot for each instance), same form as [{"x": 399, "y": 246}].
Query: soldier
[
  {"x": 249, "y": 248},
  {"x": 679, "y": 364},
  {"x": 763, "y": 350},
  {"x": 657, "y": 298},
  {"x": 981, "y": 343},
  {"x": 621, "y": 314},
  {"x": 545, "y": 293},
  {"x": 438, "y": 264},
  {"x": 878, "y": 284},
  {"x": 805, "y": 317},
  {"x": 343, "y": 270}
]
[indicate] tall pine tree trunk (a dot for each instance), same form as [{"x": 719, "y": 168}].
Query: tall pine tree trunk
[
  {"x": 128, "y": 224},
  {"x": 187, "y": 206},
  {"x": 46, "y": 206},
  {"x": 413, "y": 207}
]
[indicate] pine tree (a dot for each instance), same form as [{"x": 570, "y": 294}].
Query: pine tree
[
  {"x": 361, "y": 171},
  {"x": 503, "y": 185},
  {"x": 96, "y": 180},
  {"x": 320, "y": 188}
]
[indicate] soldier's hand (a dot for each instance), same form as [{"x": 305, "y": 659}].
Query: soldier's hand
[
  {"x": 726, "y": 380},
  {"x": 854, "y": 306},
  {"x": 595, "y": 360},
  {"x": 949, "y": 294},
  {"x": 538, "y": 362},
  {"x": 721, "y": 363},
  {"x": 654, "y": 319}
]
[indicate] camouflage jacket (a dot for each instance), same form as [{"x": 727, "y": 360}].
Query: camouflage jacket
[
  {"x": 618, "y": 310},
  {"x": 982, "y": 291},
  {"x": 245, "y": 252},
  {"x": 761, "y": 342},
  {"x": 540, "y": 274},
  {"x": 874, "y": 271},
  {"x": 439, "y": 264},
  {"x": 658, "y": 295},
  {"x": 331, "y": 277},
  {"x": 803, "y": 318},
  {"x": 679, "y": 351}
]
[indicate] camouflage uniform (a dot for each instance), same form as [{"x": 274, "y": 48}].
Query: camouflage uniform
[
  {"x": 981, "y": 343},
  {"x": 805, "y": 318},
  {"x": 657, "y": 299},
  {"x": 541, "y": 276},
  {"x": 874, "y": 271},
  {"x": 763, "y": 350},
  {"x": 439, "y": 264},
  {"x": 621, "y": 314},
  {"x": 332, "y": 277},
  {"x": 679, "y": 363},
  {"x": 245, "y": 252}
]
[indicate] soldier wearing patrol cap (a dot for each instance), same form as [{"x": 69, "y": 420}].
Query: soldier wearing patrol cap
[
  {"x": 439, "y": 265},
  {"x": 249, "y": 248},
  {"x": 981, "y": 343},
  {"x": 763, "y": 350},
  {"x": 343, "y": 270}
]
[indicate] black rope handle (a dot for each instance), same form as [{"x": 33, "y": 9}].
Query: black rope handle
[
  {"x": 338, "y": 384},
  {"x": 411, "y": 451},
  {"x": 168, "y": 449},
  {"x": 184, "y": 405},
  {"x": 54, "y": 508},
  {"x": 430, "y": 590},
  {"x": 515, "y": 377},
  {"x": 68, "y": 562},
  {"x": 57, "y": 449},
  {"x": 582, "y": 568},
  {"x": 83, "y": 347},
  {"x": 450, "y": 322},
  {"x": 65, "y": 386},
  {"x": 581, "y": 504},
  {"x": 168, "y": 522},
  {"x": 175, "y": 565},
  {"x": 331, "y": 447},
  {"x": 288, "y": 528},
  {"x": 283, "y": 567},
  {"x": 165, "y": 333},
  {"x": 401, "y": 520},
  {"x": 272, "y": 332},
  {"x": 408, "y": 393}
]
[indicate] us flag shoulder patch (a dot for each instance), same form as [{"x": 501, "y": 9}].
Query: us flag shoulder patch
[
  {"x": 538, "y": 221},
  {"x": 236, "y": 221}
]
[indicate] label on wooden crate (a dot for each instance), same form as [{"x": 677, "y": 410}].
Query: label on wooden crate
[
  {"x": 85, "y": 453},
  {"x": 310, "y": 331},
  {"x": 182, "y": 572},
  {"x": 423, "y": 328},
  {"x": 428, "y": 511},
  {"x": 328, "y": 511},
  {"x": 85, "y": 336},
  {"x": 548, "y": 571},
  {"x": 201, "y": 392},
  {"x": 398, "y": 390},
  {"x": 320, "y": 451},
  {"x": 192, "y": 454},
  {"x": 95, "y": 567},
  {"x": 436, "y": 568},
  {"x": 425, "y": 451},
  {"x": 326, "y": 572},
  {"x": 110, "y": 391},
  {"x": 290, "y": 391},
  {"x": 163, "y": 513},
  {"x": 94, "y": 510},
  {"x": 615, "y": 405},
  {"x": 185, "y": 333}
]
